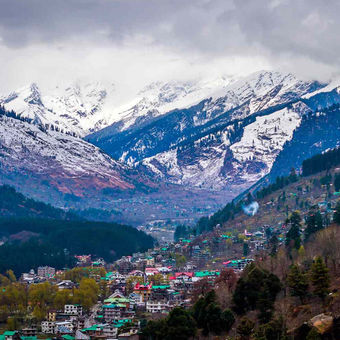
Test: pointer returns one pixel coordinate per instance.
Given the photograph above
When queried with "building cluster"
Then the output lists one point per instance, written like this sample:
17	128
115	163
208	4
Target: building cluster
138	287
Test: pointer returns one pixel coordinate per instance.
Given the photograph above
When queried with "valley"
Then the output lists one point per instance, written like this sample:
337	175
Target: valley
157	156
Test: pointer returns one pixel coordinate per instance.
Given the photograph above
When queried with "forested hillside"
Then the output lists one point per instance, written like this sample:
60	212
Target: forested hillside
54	242
44	235
13	203
291	289
294	188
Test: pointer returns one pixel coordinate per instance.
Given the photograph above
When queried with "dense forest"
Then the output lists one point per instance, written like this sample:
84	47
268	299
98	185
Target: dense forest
33	242
321	162
16	204
37	234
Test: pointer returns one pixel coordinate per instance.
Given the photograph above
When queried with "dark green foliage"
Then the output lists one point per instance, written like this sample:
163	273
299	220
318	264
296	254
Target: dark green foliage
325	180
336	216
313	335
293	239
245	249
245	328
155	330
274	242
228	319
181	231
210	317
321	162
21	257
337	182
314	222
206	224
50	237
280	183
320	278
178	325
297	282
273	330
16	204
256	290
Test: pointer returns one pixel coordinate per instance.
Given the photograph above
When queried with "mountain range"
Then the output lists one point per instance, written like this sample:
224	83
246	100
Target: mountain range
169	143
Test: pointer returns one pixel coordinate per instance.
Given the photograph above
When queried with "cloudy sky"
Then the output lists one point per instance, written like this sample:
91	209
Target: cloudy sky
132	42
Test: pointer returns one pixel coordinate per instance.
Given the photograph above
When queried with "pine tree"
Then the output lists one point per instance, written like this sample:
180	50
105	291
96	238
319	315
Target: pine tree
314	223
337	182
336	216
245	328
320	278
274	242
297	282
293	239
245	249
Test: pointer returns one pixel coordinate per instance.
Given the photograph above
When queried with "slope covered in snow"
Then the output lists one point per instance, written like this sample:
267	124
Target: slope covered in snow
62	162
85	108
66	171
228	139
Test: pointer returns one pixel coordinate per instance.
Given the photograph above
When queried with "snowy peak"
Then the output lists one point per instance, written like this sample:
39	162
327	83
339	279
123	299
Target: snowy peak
60	162
84	108
76	108
230	137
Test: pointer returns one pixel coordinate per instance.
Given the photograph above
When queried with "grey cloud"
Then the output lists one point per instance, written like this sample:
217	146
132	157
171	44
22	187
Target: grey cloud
305	27
278	30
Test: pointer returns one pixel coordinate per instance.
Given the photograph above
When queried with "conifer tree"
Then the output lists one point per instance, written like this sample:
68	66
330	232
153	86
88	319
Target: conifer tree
314	223
297	282
293	239
337	182
336	216
320	278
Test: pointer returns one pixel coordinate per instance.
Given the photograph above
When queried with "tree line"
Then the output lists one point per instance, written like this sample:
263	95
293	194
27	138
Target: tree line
321	162
54	242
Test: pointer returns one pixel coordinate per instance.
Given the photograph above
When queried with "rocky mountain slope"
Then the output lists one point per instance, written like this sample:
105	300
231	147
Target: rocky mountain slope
66	171
229	139
50	159
212	138
82	108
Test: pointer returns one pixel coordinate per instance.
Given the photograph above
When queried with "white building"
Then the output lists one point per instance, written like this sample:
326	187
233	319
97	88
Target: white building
47	327
157	306
73	309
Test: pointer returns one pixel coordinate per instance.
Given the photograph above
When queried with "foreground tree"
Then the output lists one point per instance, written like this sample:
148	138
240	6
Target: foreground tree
297	282
178	325
320	278
210	317
256	290
273	330
245	328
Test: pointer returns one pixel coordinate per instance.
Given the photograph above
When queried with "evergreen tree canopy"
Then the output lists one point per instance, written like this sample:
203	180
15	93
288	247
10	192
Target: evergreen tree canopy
178	325
256	290
209	315
320	278
336	216
314	222
293	239
297	282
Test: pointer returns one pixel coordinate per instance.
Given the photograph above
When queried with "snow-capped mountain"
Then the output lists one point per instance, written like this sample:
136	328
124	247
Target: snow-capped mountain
77	109
85	108
60	162
220	133
230	138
